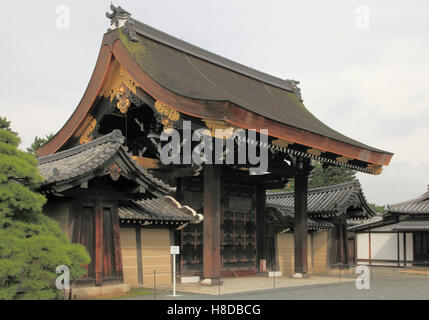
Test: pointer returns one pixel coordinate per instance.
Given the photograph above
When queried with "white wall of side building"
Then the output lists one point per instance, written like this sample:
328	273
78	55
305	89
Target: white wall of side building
384	246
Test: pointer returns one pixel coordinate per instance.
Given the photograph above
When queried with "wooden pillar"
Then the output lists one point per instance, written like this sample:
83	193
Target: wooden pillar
212	222
369	246
300	223
139	256
398	249
405	248
342	242
117	244
260	224
98	263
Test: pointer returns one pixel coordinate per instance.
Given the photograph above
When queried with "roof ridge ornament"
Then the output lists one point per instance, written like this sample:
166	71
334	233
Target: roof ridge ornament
118	17
294	85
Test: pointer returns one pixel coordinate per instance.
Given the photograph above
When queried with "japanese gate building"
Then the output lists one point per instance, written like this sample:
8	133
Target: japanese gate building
146	81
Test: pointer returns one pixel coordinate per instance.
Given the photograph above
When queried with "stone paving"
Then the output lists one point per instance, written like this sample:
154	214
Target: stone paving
244	284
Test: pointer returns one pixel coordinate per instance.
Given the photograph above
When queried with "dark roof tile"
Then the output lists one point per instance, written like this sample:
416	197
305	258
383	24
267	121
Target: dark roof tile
331	200
158	209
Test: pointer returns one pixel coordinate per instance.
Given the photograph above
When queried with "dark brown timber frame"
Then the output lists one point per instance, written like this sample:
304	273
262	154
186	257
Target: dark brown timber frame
260	224
300	224
212	221
88	229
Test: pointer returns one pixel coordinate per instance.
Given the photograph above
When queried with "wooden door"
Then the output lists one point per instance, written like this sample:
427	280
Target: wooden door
96	226
421	248
238	229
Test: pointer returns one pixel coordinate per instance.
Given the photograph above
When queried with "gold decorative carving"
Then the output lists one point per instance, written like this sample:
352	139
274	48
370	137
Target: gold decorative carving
343	159
168	115
281	143
314	152
119	85
219	129
86	136
376	169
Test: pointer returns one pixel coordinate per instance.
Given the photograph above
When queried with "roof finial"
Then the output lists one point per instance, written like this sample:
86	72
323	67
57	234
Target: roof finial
294	85
118	16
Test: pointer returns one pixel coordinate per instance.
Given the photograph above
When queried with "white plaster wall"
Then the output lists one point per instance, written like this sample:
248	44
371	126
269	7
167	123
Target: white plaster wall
384	246
362	243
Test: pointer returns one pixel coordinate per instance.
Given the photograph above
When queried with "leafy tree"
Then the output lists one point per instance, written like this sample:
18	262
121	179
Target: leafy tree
31	244
38	142
377	208
332	175
321	177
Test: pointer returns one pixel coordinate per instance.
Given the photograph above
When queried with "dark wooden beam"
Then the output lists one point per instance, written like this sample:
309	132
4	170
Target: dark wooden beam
244	177
184	172
212	221
274	185
260	224
300	223
282	169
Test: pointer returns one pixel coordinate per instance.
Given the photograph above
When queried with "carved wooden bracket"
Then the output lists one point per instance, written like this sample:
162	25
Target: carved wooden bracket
168	115
87	134
121	86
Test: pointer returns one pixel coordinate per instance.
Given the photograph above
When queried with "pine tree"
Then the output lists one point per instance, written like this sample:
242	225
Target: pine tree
321	177
38	142
31	244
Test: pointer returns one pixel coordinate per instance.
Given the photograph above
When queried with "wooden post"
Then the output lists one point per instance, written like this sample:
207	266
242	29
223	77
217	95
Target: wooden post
300	223
346	244
212	222
98	263
342	243
139	256
405	249
260	224
398	249
117	244
369	241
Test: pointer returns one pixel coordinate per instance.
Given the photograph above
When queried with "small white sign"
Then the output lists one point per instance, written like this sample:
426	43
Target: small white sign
174	250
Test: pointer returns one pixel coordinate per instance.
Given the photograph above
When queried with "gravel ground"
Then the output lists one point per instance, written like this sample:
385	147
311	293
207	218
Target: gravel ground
383	286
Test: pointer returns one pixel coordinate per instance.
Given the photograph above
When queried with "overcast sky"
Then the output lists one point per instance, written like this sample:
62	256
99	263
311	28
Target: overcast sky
363	65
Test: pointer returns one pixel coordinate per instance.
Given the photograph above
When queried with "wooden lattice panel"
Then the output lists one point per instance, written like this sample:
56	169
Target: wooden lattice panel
238	246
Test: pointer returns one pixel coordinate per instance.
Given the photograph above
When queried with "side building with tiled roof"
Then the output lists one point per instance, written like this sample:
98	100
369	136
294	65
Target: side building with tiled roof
330	210
400	238
119	211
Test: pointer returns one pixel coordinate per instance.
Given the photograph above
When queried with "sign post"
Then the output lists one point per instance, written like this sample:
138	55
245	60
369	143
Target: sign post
174	250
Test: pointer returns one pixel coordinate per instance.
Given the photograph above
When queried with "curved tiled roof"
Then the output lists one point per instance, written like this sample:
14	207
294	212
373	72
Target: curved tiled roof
204	85
281	217
195	73
91	159
419	205
331	200
158	209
